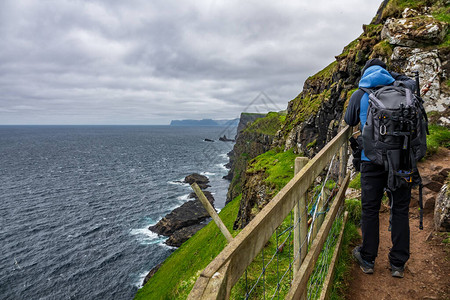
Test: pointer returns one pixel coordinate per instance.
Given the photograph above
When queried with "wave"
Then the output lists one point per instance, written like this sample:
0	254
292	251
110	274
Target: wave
224	155
222	166
147	237
183	197
207	173
140	280
166	246
178	182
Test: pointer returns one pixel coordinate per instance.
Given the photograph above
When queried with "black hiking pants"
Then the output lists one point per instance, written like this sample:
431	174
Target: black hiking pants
373	181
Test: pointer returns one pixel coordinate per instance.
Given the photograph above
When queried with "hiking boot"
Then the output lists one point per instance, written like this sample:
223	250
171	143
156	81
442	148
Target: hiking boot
397	271
365	266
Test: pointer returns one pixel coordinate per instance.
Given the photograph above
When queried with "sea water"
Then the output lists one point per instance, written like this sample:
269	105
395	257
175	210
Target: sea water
77	201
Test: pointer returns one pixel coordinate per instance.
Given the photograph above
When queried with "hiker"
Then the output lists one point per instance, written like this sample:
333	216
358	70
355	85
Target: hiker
374	179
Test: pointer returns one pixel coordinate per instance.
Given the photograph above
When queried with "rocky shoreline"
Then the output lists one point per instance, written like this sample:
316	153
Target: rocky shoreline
184	221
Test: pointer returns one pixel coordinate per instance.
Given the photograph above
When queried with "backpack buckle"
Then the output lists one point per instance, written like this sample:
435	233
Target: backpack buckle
383	129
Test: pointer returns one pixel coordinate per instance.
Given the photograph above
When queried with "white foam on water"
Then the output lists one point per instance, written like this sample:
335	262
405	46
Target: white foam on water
147	237
207	173
139	282
224	155
178	182
222	166
183	197
166	246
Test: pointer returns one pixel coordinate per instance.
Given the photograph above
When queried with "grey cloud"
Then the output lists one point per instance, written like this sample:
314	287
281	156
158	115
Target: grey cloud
147	62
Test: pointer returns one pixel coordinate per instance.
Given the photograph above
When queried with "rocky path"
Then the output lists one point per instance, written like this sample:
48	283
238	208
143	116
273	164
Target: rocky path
427	273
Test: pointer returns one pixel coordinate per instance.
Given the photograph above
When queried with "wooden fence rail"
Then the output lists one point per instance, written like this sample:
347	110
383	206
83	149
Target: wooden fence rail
218	278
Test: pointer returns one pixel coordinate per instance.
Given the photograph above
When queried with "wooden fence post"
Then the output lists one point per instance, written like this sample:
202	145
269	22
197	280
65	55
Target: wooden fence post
343	160
212	212
300	215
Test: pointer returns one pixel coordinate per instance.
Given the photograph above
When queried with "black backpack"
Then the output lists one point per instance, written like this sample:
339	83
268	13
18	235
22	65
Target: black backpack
395	135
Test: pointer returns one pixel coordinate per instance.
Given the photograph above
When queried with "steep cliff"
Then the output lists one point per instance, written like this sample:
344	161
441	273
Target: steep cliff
255	136
409	36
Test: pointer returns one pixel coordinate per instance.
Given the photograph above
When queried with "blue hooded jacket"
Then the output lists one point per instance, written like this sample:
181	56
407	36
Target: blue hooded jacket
372	77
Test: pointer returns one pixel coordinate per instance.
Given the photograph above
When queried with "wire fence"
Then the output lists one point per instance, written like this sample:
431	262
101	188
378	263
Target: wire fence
271	273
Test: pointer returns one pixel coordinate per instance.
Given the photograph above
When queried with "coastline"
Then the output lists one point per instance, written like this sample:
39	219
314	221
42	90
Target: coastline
217	174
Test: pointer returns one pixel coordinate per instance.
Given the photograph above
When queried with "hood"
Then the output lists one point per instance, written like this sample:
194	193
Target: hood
374	76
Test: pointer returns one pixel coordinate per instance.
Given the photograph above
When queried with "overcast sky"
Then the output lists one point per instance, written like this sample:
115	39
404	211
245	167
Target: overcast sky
151	61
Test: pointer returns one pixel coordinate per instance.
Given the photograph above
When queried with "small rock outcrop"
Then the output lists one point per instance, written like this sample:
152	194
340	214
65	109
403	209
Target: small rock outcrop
151	273
182	235
442	209
225	139
184	221
201	180
414	31
256	197
188	214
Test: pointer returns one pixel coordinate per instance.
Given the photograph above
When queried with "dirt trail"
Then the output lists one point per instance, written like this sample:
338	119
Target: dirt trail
427	273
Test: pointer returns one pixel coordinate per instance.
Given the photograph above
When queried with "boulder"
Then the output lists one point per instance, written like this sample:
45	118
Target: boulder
225	139
188	214
414	31
445	172
207	194
427	63
433	185
201	180
151	273
182	235
442	210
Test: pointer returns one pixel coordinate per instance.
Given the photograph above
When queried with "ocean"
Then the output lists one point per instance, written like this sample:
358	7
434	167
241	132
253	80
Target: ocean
77	201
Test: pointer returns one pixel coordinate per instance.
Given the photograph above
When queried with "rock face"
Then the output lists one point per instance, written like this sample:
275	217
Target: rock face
442	210
413	31
184	221
249	144
245	119
428	63
256	197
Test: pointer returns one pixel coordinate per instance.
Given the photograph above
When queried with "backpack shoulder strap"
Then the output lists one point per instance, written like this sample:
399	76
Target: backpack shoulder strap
366	90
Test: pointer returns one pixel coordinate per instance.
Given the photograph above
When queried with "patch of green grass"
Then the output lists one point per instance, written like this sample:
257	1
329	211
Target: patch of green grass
178	273
278	166
382	49
442	14
446	240
372	30
356	182
344	264
267	284
326	72
439	137
269	125
353	206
